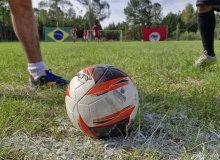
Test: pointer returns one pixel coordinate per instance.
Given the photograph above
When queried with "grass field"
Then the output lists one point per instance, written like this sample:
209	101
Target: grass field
178	117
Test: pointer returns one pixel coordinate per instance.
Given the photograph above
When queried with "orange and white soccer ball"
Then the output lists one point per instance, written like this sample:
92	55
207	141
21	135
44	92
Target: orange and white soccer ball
101	101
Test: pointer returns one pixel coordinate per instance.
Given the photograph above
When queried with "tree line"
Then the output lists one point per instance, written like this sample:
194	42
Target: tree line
139	14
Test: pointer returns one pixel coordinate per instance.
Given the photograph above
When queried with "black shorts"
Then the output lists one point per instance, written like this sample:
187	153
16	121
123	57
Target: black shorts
215	3
97	36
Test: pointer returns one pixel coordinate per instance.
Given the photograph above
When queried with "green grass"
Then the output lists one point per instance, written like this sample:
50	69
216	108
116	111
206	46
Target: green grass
178	105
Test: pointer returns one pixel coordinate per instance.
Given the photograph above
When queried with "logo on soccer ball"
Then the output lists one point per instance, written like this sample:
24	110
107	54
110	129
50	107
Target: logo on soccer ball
155	36
122	90
84	77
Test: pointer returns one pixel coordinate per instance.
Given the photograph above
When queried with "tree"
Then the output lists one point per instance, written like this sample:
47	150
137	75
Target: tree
189	16
54	6
97	10
138	16
138	12
156	14
132	12
145	13
217	29
172	20
5	20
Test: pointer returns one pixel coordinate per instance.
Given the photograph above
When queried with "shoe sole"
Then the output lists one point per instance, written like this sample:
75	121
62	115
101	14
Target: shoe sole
206	65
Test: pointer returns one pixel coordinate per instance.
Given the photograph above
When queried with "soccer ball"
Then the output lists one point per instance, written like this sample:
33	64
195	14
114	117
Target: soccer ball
101	101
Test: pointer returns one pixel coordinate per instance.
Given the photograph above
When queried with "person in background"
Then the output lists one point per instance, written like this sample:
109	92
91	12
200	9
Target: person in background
96	31
206	24
76	32
26	30
73	34
85	36
99	36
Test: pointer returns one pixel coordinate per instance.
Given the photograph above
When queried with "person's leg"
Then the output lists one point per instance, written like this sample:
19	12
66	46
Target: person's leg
206	25
25	27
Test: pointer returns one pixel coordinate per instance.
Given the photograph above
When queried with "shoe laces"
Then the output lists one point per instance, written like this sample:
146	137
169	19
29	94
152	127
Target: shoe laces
201	57
51	77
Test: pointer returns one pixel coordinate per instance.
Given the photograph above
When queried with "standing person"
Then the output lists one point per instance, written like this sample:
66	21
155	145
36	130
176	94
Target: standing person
85	36
96	30
206	24
99	36
76	32
73	34
25	28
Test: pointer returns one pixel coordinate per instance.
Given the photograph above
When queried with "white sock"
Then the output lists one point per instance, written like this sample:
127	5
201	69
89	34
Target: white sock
37	69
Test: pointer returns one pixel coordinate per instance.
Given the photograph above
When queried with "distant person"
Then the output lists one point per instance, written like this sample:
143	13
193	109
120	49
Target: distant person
26	30
93	32
76	32
85	36
96	31
73	34
206	24
99	36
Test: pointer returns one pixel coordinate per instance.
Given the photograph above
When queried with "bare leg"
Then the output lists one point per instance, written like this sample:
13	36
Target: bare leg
204	8
25	27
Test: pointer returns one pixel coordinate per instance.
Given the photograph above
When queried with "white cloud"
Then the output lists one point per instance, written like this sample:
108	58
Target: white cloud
117	8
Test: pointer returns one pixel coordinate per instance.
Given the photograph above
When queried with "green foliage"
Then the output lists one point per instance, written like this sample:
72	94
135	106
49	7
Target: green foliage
156	15
55	11
138	16
97	10
6	30
189	16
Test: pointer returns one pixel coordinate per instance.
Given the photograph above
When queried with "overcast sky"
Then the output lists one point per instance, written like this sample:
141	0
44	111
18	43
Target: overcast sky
117	8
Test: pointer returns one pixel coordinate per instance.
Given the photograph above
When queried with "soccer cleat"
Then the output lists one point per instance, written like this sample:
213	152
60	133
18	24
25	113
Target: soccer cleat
49	80
205	60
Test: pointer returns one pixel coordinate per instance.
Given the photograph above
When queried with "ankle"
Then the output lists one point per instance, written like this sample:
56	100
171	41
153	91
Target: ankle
37	69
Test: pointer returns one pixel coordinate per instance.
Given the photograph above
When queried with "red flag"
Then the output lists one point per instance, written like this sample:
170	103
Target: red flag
156	34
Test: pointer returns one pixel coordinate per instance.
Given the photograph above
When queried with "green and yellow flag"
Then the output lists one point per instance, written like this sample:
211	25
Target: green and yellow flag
57	34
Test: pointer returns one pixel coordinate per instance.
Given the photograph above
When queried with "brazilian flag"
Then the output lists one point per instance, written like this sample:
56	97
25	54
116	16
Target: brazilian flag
57	34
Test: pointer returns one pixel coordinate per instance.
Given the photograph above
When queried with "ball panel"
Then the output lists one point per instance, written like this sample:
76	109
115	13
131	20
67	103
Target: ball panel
102	108
84	112
98	72
85	129
111	73
112	125
80	85
114	118
110	130
116	72
123	96
68	91
70	109
105	87
88	99
107	76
